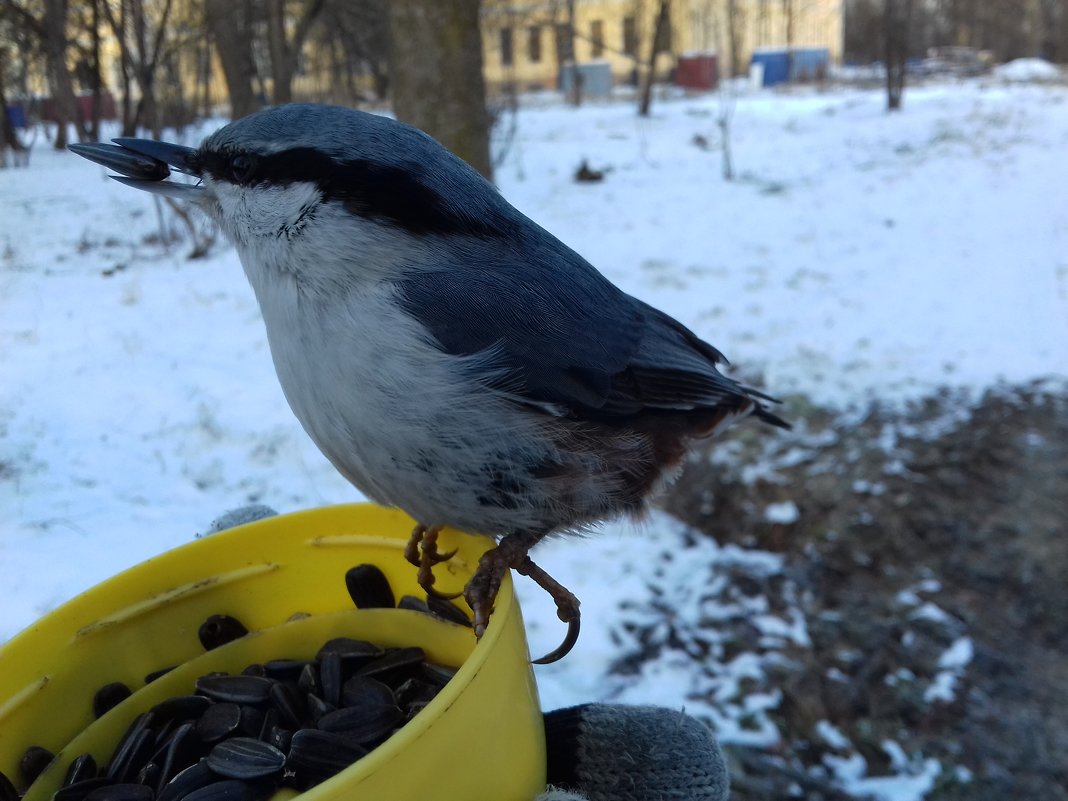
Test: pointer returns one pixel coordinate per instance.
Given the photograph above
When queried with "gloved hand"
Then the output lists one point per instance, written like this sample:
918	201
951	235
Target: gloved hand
601	752
604	752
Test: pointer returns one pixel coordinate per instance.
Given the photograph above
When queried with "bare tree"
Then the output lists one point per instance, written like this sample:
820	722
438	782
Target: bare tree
230	25
896	14
663	17
285	51
436	75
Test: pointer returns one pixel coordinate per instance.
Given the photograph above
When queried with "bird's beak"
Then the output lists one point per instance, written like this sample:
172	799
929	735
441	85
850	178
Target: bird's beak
144	164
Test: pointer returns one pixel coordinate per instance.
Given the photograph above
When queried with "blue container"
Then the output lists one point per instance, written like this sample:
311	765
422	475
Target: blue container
798	64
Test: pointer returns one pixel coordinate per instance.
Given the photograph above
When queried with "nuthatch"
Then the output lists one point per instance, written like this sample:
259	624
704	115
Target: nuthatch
449	356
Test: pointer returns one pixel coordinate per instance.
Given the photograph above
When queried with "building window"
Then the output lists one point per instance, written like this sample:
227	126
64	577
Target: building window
506	47
597	38
534	44
630	36
562	32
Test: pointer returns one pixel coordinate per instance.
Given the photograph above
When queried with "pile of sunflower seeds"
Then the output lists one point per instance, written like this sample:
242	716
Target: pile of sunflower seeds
284	723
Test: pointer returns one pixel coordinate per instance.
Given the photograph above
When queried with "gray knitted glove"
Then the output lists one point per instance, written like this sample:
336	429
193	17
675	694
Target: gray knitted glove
600	752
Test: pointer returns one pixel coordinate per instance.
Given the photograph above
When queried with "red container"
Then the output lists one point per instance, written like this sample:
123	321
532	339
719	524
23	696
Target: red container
697	71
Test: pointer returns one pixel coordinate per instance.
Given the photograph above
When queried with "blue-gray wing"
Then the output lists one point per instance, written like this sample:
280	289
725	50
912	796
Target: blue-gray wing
565	336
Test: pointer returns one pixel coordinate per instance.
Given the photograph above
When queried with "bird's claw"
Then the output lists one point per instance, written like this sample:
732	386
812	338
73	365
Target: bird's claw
567	609
422	551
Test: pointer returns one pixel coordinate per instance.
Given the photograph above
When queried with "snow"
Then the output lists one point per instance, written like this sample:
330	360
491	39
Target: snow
1027	69
859	255
782	512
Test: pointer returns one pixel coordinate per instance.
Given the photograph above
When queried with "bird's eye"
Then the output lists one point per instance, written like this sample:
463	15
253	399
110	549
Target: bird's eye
242	168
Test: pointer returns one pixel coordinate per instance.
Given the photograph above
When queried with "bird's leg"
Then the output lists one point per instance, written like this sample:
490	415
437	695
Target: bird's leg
422	551
567	608
481	590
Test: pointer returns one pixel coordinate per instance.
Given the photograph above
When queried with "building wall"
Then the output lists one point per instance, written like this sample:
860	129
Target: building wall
624	29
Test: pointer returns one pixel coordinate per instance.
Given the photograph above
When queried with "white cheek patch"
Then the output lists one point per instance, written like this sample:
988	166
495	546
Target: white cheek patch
247	213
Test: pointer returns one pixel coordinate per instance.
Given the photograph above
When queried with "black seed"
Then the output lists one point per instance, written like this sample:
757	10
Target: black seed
181	707
352	652
155	674
134	751
109	696
438	675
289	702
235	689
218	721
251	721
283	669
415	691
330	677
255	669
34	760
280	738
149	775
317	707
7	789
184	748
124	791
226	790
245	758
448	611
318	755
79	790
396	663
363	724
220	629
369	588
309	680
83	767
365	691
413	604
189	780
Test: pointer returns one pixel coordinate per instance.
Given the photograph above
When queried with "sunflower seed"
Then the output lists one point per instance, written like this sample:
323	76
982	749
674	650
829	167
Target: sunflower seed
81	768
396	663
369	588
188	781
220	629
415	691
181	707
226	790
365	691
447	611
155	674
330	677
79	790
255	669
7	789
245	758
34	760
289	702
309	680
438	675
135	750
317	707
352	652
108	697
413	604
363	724
318	755
218	721
252	718
235	689
149	775
124	791
184	748
283	669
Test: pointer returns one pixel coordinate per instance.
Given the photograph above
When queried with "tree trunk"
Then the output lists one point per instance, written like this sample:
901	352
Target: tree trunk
54	25
896	14
285	53
436	75
230	25
94	123
650	66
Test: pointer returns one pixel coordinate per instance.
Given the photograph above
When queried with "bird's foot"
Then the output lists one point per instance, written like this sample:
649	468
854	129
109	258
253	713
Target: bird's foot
567	609
422	551
481	591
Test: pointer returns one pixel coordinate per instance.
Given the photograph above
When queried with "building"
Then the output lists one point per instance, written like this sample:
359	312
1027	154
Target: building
525	44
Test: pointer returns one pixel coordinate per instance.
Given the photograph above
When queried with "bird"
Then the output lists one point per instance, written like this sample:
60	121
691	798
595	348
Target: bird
448	355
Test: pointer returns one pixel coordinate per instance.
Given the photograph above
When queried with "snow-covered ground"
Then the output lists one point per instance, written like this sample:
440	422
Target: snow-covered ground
857	255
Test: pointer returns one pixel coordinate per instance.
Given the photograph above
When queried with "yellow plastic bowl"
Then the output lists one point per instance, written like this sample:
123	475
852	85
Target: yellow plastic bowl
480	738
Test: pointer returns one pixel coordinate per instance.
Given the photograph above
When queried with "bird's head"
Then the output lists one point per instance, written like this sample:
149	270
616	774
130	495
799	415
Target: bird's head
306	174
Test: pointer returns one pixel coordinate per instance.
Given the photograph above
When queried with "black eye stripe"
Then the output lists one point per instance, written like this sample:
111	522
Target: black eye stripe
373	190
